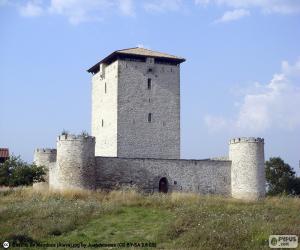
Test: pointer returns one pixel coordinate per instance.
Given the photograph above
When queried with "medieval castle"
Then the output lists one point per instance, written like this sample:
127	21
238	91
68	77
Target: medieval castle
136	137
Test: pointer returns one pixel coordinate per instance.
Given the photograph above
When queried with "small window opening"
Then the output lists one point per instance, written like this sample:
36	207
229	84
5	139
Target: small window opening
150	70
149	83
149	117
105	88
102	123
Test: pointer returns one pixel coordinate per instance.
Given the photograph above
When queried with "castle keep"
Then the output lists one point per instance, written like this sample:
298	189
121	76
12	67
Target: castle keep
136	137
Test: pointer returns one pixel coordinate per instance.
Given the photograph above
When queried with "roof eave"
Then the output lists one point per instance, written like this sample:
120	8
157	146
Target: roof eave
116	53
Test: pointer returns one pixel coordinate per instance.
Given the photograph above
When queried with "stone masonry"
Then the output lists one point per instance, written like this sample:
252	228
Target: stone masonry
136	137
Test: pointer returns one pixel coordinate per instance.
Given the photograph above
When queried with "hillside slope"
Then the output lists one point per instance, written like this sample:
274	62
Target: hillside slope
175	221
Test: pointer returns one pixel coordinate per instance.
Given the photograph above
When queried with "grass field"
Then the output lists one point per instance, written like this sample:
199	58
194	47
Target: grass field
173	221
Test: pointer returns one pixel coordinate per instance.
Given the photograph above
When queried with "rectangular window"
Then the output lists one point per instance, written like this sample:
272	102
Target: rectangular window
149	83
102	123
149	117
105	88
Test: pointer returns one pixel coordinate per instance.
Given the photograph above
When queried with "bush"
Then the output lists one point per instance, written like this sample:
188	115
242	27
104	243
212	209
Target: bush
15	172
281	178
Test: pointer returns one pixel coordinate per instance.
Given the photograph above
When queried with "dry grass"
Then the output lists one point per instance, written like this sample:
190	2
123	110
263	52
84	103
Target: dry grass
174	220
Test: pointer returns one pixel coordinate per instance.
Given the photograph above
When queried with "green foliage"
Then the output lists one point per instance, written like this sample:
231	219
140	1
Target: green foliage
64	132
281	178
15	172
84	133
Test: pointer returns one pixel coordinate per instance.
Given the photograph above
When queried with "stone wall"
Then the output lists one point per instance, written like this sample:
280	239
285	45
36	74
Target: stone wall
248	171
104	109
137	137
75	166
199	176
45	157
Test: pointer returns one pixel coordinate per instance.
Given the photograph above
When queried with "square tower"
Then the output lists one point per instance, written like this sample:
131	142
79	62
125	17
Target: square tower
136	104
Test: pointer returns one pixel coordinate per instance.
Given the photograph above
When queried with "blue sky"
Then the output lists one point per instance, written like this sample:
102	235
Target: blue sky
241	77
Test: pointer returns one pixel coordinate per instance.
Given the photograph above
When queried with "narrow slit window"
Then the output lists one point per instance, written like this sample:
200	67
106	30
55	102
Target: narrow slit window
105	88
149	83
102	123
149	117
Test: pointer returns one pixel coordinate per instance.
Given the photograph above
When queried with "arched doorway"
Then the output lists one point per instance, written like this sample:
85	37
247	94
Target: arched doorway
163	185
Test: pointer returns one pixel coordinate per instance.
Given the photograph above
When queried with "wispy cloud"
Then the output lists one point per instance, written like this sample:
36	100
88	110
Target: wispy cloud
127	7
233	15
163	5
76	11
266	6
31	9
271	106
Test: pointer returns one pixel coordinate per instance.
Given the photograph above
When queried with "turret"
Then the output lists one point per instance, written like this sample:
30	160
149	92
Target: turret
75	166
45	157
247	170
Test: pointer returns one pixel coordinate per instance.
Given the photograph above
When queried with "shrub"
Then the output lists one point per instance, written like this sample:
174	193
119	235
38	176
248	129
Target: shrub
15	172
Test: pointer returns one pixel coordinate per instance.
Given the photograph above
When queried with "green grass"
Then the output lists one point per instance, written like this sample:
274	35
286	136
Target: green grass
175	221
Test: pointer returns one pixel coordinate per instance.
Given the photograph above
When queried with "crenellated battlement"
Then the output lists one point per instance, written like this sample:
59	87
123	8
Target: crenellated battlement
72	137
246	139
75	159
138	137
247	169
46	150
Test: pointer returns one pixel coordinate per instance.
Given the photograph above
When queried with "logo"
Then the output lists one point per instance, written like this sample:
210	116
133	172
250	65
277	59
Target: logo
283	241
5	244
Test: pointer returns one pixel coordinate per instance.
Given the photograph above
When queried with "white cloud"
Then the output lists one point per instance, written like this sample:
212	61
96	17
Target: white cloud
267	6
163	5
127	7
233	15
271	106
31	9
215	123
76	11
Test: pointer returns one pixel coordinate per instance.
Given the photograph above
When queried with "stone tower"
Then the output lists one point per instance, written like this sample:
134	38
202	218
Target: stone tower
136	104
45	157
247	169
75	166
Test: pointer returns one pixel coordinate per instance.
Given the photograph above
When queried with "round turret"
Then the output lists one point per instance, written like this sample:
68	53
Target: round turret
247	169
75	167
45	157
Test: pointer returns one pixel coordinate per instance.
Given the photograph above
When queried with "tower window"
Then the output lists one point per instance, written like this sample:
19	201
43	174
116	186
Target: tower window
105	88
149	117
102	123
149	83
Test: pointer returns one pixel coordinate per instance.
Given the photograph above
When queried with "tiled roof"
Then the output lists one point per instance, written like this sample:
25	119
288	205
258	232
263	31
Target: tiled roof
4	152
147	52
137	52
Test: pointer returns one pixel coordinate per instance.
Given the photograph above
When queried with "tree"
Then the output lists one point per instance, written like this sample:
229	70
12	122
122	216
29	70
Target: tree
15	172
281	178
